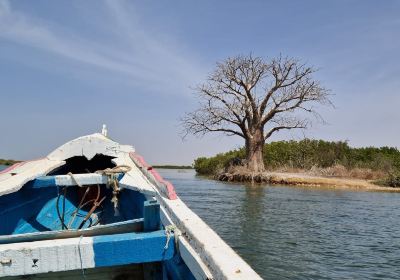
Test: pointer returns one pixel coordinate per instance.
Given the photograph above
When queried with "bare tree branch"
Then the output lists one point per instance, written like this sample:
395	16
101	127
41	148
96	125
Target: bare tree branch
253	98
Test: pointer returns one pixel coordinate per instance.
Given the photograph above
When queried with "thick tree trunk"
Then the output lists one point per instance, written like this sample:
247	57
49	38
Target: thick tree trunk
255	151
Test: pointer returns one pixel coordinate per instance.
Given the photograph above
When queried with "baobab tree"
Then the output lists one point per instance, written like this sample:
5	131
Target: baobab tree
253	98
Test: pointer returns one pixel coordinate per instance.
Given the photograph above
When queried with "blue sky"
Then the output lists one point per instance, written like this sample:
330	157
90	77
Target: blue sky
67	67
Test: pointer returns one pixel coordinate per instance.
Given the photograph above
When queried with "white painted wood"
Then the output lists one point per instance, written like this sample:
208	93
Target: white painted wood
80	179
134	179
46	256
13	180
222	261
88	146
189	256
193	261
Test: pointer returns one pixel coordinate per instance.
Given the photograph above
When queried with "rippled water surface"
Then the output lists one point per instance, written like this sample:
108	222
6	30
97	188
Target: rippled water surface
299	233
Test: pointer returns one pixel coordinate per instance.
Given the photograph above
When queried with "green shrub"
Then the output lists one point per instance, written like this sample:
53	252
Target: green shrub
212	165
307	153
392	180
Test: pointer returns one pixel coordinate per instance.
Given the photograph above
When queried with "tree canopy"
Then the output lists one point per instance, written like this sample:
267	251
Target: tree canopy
253	98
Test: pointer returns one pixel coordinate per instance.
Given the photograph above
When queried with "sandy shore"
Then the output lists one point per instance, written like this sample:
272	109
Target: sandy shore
302	179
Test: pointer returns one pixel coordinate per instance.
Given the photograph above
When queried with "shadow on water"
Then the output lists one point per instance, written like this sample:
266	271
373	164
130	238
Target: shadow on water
252	205
253	202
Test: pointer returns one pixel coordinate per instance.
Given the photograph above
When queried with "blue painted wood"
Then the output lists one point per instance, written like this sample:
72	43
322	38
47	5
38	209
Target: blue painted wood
129	248
21	207
151	214
43	182
34	210
131	204
176	269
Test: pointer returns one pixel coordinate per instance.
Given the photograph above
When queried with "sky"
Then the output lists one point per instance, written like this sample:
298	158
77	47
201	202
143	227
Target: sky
67	67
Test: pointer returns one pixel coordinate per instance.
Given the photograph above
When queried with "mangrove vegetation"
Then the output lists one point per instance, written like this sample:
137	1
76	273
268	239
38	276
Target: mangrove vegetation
322	157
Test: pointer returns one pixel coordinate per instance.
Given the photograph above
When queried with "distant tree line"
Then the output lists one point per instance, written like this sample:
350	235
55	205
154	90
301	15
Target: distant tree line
173	166
7	161
306	154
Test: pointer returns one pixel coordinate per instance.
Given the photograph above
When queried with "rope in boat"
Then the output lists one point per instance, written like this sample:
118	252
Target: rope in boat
81	204
73	178
169	231
63	225
112	181
114	170
80	257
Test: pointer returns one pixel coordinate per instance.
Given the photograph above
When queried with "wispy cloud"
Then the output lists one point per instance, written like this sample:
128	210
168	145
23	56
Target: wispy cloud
137	55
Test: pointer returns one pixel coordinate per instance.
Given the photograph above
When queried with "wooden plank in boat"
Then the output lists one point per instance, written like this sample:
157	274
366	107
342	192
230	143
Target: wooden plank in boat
68	180
115	228
121	272
85	252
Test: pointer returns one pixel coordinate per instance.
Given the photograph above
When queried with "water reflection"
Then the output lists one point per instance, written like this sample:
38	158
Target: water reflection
300	233
252	205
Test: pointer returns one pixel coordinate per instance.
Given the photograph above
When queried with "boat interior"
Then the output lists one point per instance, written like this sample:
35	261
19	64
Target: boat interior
46	210
49	208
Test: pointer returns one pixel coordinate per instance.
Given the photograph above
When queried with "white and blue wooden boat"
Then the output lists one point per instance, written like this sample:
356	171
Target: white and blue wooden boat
93	209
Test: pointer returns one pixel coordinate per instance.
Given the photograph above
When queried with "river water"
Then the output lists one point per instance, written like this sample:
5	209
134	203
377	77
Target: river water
300	233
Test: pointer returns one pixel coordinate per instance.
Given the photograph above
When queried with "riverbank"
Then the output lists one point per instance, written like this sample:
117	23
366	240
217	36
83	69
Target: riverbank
312	163
303	179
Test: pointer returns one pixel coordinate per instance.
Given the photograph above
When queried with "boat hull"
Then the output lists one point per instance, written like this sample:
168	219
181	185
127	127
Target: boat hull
133	225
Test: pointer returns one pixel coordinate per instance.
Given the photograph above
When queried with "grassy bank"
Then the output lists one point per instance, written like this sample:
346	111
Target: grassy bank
303	179
318	158
8	161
